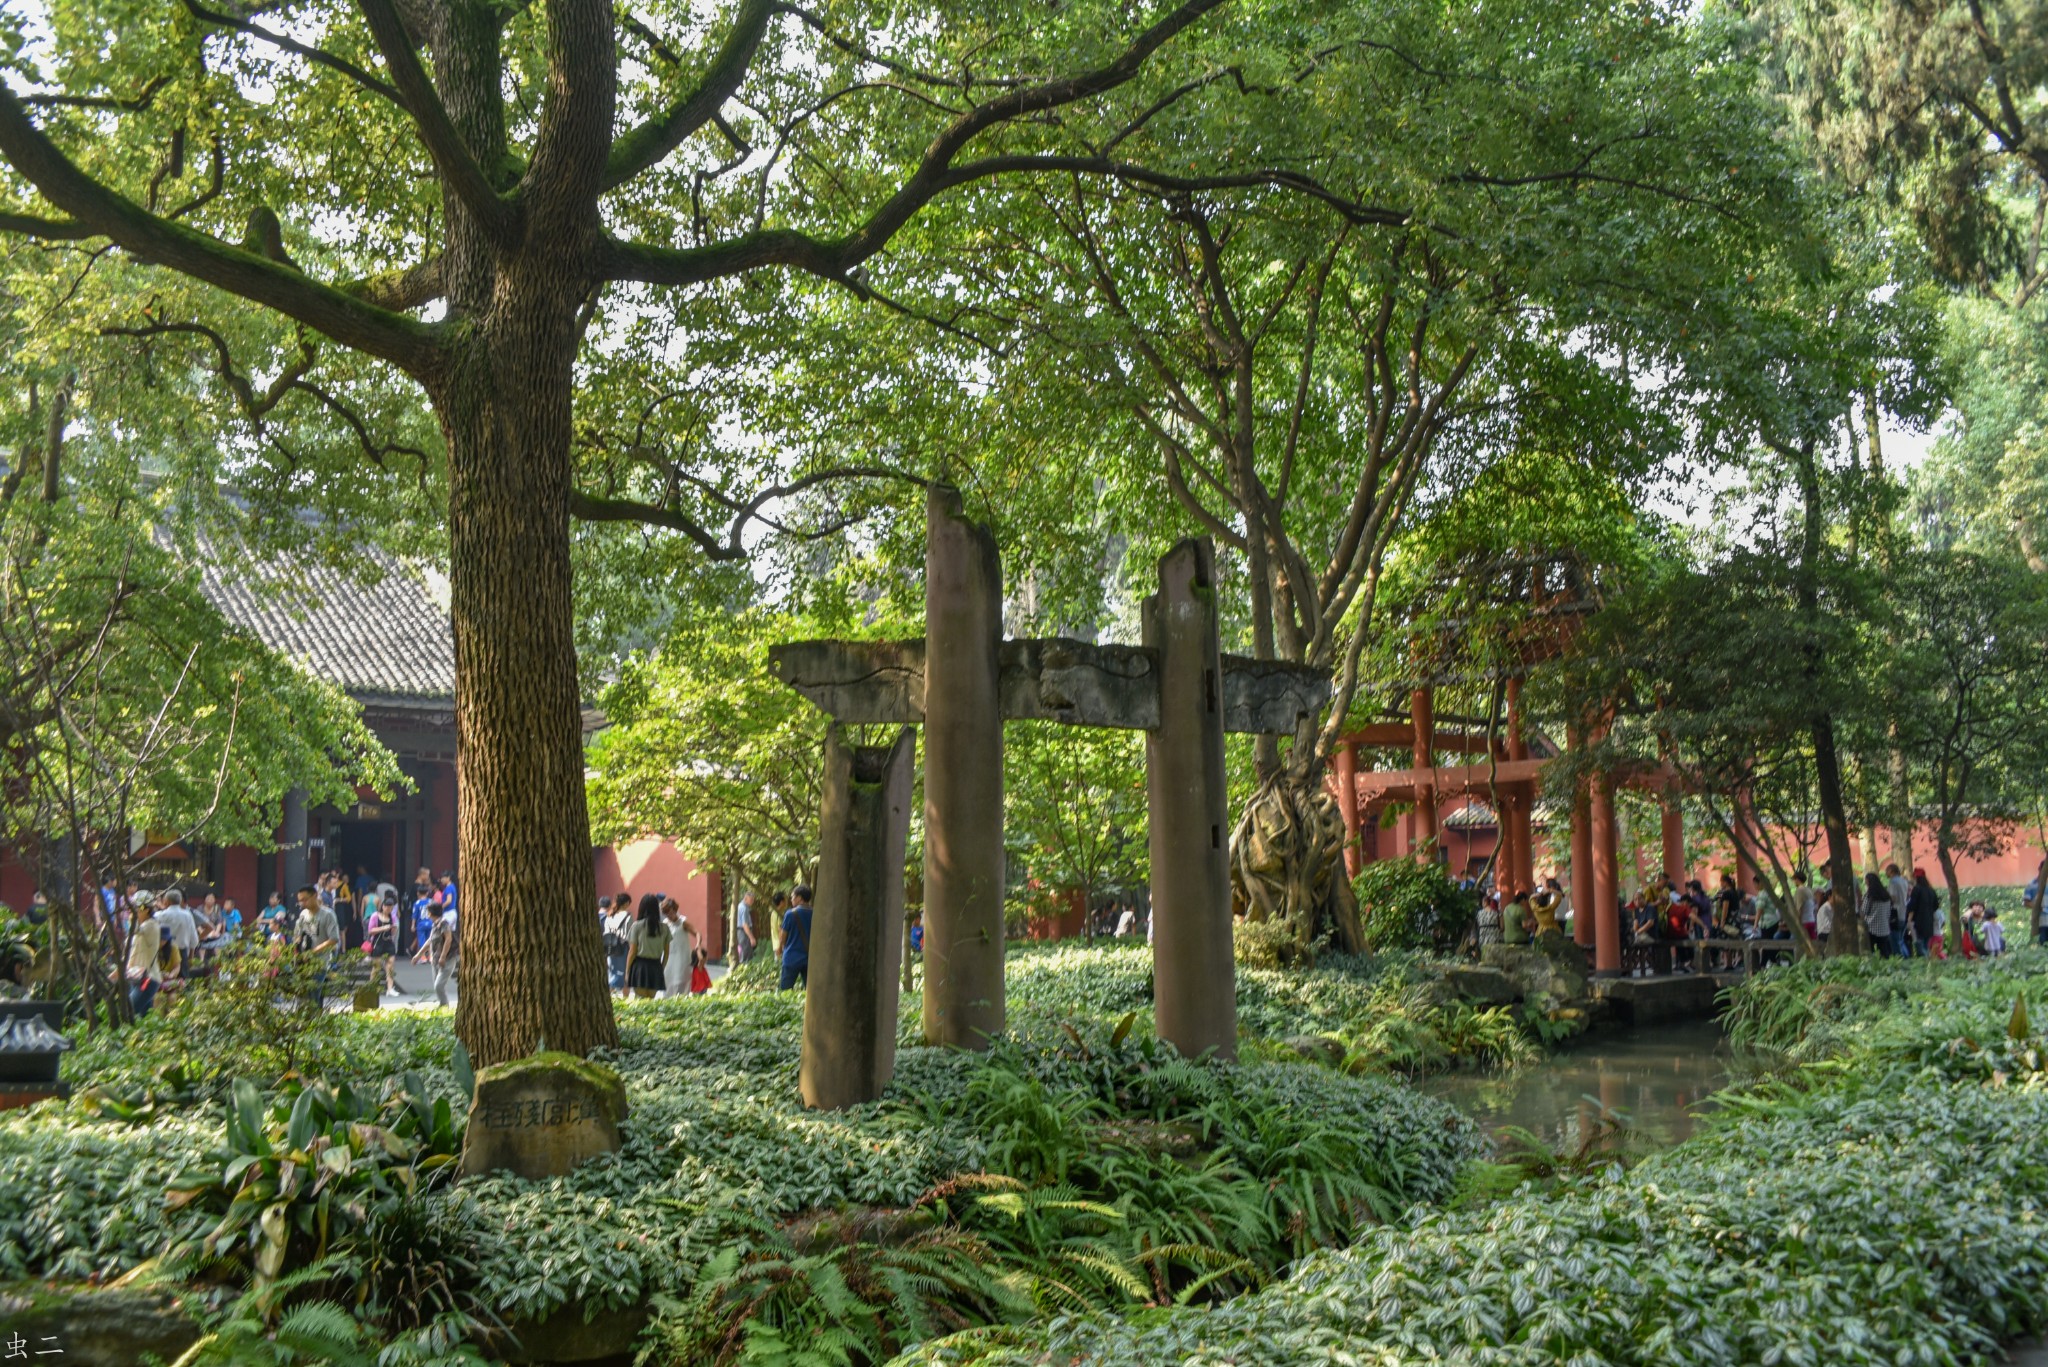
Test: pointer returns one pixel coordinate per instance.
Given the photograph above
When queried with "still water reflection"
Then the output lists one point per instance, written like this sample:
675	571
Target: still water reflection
1646	1078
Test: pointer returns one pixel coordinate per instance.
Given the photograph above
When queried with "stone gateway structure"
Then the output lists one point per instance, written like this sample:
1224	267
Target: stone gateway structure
961	682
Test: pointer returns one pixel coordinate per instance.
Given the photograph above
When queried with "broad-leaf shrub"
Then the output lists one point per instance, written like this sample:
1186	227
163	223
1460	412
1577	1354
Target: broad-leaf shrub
1406	904
310	1171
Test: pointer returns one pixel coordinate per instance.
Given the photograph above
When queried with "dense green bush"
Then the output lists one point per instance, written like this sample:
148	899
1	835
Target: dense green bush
313	1169
1406	904
1813	1007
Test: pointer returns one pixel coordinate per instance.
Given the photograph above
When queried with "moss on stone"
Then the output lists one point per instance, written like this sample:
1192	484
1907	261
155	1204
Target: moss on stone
604	1080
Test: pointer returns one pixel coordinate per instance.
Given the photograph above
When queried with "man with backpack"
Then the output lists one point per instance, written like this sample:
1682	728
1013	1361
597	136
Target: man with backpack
618	931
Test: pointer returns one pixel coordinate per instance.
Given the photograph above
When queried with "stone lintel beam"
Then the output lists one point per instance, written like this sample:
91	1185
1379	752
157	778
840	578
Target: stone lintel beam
1044	679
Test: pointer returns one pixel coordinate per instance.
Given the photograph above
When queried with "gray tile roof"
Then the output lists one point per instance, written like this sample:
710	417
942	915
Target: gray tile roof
385	635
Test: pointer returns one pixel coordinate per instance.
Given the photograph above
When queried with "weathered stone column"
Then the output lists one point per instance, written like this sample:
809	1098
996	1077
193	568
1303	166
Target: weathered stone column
963	778
1194	971
851	994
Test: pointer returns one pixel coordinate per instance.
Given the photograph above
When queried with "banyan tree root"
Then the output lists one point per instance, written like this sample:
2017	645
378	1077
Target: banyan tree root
1287	863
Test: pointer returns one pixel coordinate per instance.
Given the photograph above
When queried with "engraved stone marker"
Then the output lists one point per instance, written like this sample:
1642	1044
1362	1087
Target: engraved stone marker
542	1116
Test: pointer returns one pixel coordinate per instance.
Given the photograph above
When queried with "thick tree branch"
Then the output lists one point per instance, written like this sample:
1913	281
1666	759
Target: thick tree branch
319	56
647	145
593	508
49	229
832	258
132	106
458	169
403	290
347	319
935	174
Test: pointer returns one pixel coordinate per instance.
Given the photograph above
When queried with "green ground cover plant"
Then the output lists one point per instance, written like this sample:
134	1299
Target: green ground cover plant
1883	1202
1078	1166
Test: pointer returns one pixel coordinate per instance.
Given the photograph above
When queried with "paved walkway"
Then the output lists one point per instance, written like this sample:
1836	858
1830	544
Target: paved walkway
416	986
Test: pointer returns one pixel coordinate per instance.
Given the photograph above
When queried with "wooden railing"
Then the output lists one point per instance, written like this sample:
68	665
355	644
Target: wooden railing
1753	952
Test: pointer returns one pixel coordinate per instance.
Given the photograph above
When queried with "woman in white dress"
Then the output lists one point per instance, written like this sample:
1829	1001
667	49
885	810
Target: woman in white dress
682	940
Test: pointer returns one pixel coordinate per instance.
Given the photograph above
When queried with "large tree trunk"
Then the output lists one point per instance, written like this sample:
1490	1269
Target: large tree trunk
533	968
1849	935
533	957
1287	859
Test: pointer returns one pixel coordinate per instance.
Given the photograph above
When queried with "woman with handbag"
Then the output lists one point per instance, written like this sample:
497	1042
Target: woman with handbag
380	939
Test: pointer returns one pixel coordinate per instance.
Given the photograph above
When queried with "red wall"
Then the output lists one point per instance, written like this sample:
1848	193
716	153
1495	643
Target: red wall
2012	866
17	883
657	866
438	840
239	881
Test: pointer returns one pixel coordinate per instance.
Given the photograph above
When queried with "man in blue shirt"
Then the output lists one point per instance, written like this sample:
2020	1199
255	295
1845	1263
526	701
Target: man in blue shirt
796	940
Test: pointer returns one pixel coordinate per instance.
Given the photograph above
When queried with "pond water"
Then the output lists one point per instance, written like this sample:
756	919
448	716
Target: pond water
1646	1078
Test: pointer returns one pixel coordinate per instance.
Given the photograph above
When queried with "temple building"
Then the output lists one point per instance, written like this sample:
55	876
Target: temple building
384	639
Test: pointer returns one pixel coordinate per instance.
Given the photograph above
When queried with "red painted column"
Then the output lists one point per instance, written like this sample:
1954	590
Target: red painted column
1522	807
1582	865
1505	860
1347	804
1422	709
1673	822
1606	905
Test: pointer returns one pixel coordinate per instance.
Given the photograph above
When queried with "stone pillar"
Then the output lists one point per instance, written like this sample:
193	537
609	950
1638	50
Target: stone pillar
1194	969
851	992
1347	803
292	845
1582	865
1606	902
1422	710
963	778
1672	819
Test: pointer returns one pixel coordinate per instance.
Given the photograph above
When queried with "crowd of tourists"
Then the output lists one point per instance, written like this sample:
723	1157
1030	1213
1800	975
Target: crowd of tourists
652	949
176	933
1903	915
